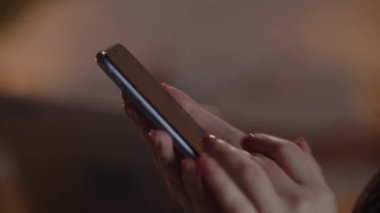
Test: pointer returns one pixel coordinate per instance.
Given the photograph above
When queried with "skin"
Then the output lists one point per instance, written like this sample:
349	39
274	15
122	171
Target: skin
238	172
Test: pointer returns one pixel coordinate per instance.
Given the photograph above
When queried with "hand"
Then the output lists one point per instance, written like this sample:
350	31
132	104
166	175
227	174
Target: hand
185	180
269	175
187	190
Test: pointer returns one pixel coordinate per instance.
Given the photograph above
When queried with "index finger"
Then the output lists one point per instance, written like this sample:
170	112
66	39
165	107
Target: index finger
208	121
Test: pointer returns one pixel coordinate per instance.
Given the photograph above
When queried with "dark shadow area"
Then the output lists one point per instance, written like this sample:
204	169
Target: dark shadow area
73	160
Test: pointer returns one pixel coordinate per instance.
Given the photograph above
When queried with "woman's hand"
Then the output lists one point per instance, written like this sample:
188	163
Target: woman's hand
192	184
269	175
187	190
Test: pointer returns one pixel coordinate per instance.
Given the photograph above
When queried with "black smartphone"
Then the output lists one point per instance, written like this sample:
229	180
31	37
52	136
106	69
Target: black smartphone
151	99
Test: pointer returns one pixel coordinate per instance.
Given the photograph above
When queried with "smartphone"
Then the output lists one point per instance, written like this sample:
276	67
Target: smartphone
151	99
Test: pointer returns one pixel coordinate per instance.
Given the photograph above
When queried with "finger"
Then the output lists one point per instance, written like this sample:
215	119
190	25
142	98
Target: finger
304	145
247	174
163	147
200	198
166	160
139	119
281	181
285	153
226	192
209	122
164	156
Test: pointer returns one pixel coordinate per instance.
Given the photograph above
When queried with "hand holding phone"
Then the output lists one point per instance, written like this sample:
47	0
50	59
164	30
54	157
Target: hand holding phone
151	100
186	188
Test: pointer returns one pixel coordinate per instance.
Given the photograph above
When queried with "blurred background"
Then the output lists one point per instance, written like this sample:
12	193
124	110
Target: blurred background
300	68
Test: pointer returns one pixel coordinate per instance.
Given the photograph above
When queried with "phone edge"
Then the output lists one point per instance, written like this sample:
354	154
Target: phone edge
107	66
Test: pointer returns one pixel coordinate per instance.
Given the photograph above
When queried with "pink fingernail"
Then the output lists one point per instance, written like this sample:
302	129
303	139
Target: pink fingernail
151	133
209	141
301	139
153	141
250	138
249	143
167	86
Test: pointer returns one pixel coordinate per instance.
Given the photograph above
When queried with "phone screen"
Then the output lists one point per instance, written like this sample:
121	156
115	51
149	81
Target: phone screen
151	99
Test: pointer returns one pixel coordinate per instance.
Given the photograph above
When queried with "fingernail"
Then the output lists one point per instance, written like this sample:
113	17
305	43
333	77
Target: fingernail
153	141
249	139
151	133
301	139
209	141
253	136
298	141
167	86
